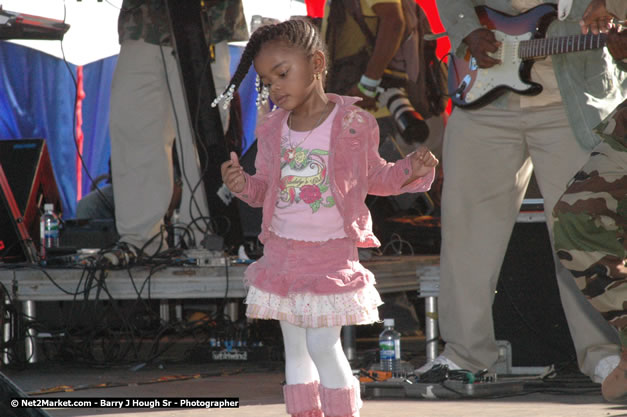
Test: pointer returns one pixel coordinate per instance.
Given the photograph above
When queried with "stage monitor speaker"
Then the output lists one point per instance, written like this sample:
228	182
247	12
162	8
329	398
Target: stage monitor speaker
28	169
527	309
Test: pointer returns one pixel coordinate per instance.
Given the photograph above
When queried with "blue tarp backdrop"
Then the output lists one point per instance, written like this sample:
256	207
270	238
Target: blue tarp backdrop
37	101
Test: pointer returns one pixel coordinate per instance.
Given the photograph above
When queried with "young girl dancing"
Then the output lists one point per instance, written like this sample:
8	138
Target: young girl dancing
317	159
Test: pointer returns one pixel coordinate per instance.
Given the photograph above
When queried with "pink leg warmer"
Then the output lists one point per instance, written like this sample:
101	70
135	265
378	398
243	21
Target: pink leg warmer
302	400
341	402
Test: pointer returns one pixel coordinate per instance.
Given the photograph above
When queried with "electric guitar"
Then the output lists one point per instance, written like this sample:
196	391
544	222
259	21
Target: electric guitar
522	41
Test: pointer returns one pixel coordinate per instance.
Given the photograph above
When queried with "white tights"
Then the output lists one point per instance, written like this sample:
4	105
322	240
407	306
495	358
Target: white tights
315	354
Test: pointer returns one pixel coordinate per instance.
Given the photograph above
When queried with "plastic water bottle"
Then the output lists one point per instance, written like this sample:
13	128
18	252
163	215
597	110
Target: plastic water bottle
48	229
389	347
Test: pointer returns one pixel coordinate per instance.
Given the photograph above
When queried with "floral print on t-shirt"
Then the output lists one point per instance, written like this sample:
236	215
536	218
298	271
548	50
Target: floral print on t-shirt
304	178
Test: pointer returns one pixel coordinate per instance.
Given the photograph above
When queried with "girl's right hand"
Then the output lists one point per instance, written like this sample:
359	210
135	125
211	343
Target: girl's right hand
233	174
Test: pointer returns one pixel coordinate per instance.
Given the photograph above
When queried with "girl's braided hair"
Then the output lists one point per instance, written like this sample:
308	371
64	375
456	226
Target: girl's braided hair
298	33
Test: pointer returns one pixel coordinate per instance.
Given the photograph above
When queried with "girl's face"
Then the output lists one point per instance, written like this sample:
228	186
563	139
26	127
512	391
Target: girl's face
287	72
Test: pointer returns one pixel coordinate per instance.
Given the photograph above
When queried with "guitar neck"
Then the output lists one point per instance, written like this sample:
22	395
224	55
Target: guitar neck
536	48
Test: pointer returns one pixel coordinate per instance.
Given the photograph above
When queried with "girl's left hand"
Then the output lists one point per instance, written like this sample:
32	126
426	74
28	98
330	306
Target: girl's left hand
422	162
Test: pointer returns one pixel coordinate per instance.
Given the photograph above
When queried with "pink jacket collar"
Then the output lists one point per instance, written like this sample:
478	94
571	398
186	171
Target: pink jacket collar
276	118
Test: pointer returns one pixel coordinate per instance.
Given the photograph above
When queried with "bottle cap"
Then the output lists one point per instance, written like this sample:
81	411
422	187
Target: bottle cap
388	322
48	207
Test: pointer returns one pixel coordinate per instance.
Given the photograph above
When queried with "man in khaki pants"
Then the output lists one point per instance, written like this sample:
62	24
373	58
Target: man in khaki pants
148	110
489	154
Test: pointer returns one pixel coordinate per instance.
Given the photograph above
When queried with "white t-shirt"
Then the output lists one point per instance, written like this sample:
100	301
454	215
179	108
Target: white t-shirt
524	5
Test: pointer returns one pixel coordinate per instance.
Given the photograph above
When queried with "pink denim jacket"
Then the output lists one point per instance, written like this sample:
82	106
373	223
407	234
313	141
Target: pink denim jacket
355	167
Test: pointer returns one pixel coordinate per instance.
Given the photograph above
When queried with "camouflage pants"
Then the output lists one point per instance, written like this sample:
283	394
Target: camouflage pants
591	224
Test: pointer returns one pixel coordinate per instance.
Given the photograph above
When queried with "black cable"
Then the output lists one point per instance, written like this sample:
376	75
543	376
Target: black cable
179	143
186	232
134	332
195	129
137	291
63	290
161	236
78	152
107	349
100	344
74	298
226	289
447	55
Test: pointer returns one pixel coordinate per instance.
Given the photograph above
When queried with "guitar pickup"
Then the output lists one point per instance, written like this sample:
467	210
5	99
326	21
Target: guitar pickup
499	54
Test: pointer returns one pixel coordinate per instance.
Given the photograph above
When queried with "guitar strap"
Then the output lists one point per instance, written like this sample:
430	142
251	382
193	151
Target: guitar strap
354	9
406	60
409	10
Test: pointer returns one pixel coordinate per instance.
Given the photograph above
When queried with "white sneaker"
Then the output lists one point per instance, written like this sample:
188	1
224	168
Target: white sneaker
605	367
440	360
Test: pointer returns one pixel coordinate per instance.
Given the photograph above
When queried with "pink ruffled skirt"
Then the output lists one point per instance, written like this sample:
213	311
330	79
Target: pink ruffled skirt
311	284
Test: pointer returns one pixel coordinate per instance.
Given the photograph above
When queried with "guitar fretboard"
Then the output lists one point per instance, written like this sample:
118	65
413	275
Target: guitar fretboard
560	45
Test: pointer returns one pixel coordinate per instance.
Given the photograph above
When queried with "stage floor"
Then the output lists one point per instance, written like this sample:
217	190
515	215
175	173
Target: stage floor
259	391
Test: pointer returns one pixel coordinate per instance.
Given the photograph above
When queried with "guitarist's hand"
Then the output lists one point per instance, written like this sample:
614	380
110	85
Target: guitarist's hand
480	42
617	44
596	18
